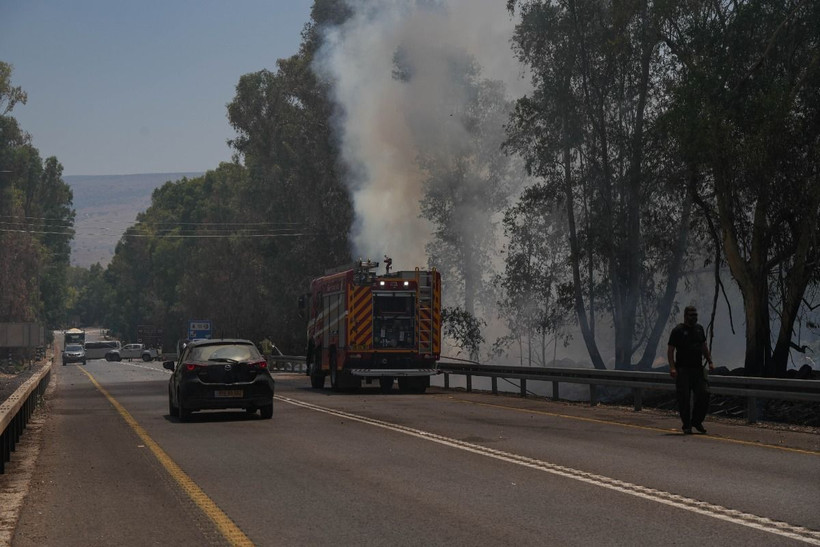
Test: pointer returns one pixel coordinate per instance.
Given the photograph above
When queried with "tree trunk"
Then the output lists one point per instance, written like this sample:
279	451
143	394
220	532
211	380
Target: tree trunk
668	298
575	258
797	279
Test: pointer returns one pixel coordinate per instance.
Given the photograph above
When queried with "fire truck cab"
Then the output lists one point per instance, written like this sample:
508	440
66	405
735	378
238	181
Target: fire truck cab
367	326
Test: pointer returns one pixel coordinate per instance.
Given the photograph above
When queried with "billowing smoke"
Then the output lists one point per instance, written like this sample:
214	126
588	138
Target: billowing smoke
387	120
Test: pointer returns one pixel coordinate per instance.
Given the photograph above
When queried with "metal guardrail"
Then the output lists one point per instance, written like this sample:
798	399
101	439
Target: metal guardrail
751	388
287	363
742	386
16	412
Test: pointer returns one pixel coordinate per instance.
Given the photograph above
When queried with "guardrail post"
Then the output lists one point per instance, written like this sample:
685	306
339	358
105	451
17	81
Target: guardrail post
5	451
495	385
637	396
593	395
751	410
555	391
524	387
446	381
469	383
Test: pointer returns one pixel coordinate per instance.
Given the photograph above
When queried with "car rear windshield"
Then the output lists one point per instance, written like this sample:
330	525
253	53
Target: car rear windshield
225	352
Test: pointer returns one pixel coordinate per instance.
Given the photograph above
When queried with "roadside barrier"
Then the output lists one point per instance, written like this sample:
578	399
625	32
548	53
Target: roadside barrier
16	412
752	388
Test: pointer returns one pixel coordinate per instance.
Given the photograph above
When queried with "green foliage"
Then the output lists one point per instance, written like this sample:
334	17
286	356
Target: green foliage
240	244
36	222
746	110
533	305
9	95
588	131
464	329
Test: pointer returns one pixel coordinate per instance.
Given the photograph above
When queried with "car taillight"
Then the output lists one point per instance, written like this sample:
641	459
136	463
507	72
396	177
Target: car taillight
190	367
259	364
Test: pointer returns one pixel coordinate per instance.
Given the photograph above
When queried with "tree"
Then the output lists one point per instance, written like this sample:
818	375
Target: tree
283	121
749	78
535	277
240	244
468	182
36	222
588	132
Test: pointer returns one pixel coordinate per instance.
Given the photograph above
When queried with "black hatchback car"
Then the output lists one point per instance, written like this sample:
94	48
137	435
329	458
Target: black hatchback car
219	374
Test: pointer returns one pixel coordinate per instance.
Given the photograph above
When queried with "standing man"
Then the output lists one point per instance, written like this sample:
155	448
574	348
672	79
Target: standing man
686	350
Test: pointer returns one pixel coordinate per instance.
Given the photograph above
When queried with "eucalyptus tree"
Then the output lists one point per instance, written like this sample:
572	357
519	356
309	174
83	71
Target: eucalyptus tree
588	132
36	221
747	110
468	180
535	279
240	244
284	126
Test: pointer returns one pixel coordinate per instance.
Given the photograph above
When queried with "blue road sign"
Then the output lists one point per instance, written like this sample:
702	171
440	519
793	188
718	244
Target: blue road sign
199	328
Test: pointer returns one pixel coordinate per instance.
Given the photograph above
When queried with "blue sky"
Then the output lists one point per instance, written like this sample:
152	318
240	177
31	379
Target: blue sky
118	87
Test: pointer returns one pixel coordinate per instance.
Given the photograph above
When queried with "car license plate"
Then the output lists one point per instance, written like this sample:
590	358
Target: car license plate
227	393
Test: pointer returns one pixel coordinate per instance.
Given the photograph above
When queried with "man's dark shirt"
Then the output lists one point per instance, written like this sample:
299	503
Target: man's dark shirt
688	341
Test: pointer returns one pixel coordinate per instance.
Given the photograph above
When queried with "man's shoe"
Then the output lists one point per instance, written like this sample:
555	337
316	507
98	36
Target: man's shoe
700	428
687	430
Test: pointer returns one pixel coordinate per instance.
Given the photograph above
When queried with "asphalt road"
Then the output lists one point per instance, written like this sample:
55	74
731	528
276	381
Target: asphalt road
445	468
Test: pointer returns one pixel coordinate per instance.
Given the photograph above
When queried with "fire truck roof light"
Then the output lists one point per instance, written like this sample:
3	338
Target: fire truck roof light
406	283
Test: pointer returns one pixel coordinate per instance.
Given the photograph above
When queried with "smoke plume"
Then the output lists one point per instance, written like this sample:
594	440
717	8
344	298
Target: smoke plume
386	120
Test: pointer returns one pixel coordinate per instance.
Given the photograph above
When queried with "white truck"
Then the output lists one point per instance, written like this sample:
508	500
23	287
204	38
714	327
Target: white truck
133	351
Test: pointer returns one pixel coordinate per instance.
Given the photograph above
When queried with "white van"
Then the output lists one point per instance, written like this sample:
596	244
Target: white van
98	348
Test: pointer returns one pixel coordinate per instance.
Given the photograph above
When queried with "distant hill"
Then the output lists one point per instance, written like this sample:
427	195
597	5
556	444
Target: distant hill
106	206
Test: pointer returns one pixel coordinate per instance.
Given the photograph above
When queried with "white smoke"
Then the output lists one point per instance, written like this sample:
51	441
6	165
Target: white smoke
386	122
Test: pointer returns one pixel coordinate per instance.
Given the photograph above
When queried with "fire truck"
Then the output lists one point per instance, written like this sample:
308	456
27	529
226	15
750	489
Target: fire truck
364	326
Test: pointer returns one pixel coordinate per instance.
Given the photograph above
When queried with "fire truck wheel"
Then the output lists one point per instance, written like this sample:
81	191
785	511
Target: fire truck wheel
385	384
317	381
334	377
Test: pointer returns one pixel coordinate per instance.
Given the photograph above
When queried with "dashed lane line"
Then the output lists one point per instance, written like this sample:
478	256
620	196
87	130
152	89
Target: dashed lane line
764	524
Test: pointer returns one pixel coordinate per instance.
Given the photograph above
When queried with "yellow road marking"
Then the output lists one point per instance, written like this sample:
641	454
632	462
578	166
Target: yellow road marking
633	426
229	530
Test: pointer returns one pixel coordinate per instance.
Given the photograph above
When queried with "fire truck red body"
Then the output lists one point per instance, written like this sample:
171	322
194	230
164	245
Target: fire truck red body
364	326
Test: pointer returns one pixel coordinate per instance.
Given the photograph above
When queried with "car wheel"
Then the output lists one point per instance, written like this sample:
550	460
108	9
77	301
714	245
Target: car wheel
266	411
317	381
172	410
146	357
84	363
182	413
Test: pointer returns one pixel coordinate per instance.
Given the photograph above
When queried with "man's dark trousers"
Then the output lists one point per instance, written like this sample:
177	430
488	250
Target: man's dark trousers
692	380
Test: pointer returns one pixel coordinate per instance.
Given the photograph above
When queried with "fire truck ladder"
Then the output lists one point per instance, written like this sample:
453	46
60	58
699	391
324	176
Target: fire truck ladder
424	282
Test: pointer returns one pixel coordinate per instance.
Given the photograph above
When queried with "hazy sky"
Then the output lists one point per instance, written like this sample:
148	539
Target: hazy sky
117	87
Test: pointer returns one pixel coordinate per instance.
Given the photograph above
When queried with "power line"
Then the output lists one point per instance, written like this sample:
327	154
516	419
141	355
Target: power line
167	235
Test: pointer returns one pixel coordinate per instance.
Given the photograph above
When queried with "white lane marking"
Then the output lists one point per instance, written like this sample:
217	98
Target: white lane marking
780	528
